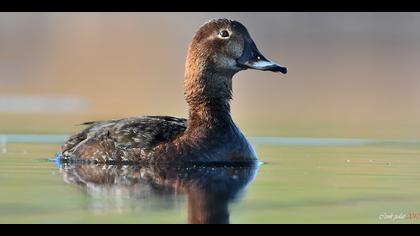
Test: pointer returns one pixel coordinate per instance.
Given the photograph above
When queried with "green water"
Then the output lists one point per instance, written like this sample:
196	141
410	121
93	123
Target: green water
317	181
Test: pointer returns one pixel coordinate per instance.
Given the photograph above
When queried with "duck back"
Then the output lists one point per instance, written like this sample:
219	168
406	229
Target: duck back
123	140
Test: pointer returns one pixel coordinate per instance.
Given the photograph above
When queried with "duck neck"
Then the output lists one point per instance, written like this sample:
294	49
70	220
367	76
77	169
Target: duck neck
208	94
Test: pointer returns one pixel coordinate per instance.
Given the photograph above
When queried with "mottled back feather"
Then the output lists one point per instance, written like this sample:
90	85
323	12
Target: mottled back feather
125	137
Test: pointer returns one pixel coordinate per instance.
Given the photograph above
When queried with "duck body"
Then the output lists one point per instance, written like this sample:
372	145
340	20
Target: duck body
219	49
157	139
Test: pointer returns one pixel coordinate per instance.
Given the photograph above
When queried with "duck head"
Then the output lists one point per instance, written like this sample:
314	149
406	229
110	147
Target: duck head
226	46
219	49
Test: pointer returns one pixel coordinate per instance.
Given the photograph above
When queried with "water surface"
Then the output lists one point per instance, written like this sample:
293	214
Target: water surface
312	180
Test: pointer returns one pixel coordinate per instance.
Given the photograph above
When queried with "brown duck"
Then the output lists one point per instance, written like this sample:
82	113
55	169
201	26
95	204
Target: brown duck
219	49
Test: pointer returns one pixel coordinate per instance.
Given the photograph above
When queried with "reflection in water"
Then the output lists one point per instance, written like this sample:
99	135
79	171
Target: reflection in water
208	190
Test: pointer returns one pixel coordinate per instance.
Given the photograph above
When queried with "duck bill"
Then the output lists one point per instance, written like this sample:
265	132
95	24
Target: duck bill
252	58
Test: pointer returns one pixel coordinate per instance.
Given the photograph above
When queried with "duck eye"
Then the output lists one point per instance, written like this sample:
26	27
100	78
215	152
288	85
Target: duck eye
224	34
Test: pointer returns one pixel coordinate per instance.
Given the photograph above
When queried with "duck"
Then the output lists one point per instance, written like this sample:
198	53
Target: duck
218	51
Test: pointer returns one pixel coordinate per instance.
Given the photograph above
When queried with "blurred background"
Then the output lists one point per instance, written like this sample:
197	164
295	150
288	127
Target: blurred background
350	74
